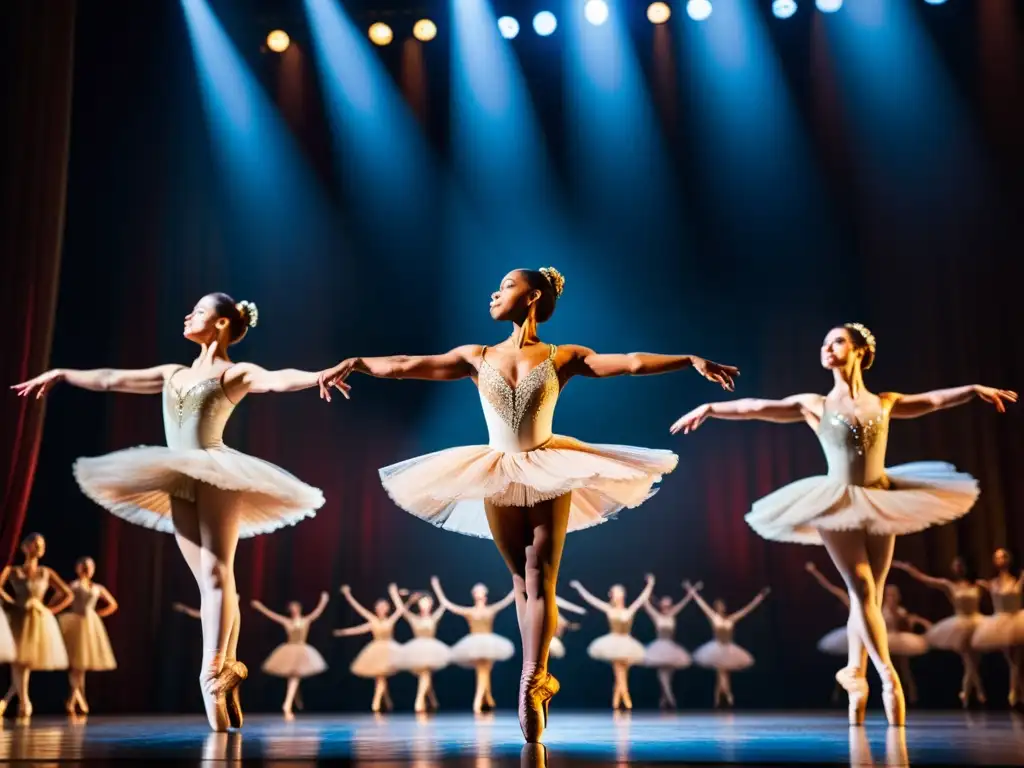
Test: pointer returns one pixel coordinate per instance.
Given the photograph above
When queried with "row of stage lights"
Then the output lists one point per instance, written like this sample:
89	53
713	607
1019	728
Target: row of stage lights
545	22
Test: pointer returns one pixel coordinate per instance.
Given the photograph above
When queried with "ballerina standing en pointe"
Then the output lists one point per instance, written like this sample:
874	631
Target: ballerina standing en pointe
619	648
956	632
557	649
665	654
528	487
721	653
860	506
481	648
197	488
37	636
1004	629
85	637
424	654
379	659
294	659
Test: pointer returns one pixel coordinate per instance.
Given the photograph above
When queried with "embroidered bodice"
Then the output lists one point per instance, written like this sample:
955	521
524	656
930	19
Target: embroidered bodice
1006	599
29	591
298	630
481	621
196	416
966	599
620	620
85	598
519	418
422	626
664	626
855	450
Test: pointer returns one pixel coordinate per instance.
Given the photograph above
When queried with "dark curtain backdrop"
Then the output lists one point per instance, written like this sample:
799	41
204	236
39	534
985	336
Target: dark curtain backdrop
150	228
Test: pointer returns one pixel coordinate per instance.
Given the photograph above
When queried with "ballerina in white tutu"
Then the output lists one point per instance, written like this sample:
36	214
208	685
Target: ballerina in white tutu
1004	629
665	654
424	654
956	632
196	487
37	636
528	487
721	653
904	643
860	506
481	648
379	659
618	648
294	659
85	637
563	625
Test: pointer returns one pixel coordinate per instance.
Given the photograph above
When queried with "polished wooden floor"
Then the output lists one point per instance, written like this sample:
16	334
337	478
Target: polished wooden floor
585	739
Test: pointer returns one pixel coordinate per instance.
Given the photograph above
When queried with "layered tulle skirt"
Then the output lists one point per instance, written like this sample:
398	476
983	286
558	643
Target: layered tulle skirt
378	659
917	496
835	643
86	640
37	637
664	653
617	648
727	657
557	648
448	488
137	484
424	654
907	644
998	631
482	646
953	633
294	660
8	649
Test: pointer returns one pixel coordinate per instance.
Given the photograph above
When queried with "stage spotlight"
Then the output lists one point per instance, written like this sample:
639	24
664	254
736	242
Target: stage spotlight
828	6
658	13
544	23
424	30
278	41
508	27
596	12
698	10
935	2
783	9
381	34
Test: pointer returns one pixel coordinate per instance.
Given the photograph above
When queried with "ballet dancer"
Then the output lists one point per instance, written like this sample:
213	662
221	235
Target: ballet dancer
294	659
619	648
1004	629
721	653
205	493
85	637
424	654
860	506
903	641
481	648
37	636
557	649
665	654
379	659
528	487
956	632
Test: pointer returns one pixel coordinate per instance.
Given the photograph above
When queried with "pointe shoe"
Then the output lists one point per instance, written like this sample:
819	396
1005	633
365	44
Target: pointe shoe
532	694
24	710
551	687
894	702
213	689
856	688
288	714
69	706
237	672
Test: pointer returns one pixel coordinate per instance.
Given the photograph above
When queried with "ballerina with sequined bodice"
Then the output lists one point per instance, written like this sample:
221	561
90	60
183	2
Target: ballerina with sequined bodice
424	654
294	659
664	654
1003	631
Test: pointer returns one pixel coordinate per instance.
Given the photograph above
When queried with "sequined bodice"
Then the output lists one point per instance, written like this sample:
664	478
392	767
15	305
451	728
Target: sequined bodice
665	626
422	626
298	630
29	589
722	629
85	598
481	622
1006	600
195	417
966	600
855	451
620	621
382	630
519	418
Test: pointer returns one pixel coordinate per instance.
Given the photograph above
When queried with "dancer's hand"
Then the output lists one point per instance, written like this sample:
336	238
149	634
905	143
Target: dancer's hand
335	377
688	586
346	589
650	578
324	597
990	395
766	591
575	585
688	423
812	568
716	372
41	384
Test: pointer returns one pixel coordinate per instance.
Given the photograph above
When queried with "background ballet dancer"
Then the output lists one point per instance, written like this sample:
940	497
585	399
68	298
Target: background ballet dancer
294	659
1004	629
481	648
955	632
424	654
205	493
721	653
379	659
859	508
836	642
904	643
85	637
557	649
37	637
665	654
528	487
619	648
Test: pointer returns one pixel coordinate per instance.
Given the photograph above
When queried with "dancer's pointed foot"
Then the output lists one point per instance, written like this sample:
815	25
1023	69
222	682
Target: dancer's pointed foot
893	700
532	694
213	686
237	672
857	690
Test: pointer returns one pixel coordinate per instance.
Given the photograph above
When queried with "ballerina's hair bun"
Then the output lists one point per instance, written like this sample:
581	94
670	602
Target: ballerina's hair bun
863	339
556	278
249	313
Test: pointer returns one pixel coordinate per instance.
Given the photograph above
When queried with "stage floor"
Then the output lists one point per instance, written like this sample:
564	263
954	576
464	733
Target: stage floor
580	739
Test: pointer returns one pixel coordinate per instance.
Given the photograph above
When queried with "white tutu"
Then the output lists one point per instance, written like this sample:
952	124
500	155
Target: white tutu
918	496
86	640
378	659
424	653
998	631
137	484
664	653
37	637
615	647
835	643
557	648
482	646
294	660
953	633
907	644
728	657
8	650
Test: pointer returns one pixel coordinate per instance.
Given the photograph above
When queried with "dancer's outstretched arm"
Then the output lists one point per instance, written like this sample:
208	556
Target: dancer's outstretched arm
643	597
187	610
277	617
675	609
828	586
400	608
565	605
346	592
458	363
317	612
791	410
932	581
458	610
584	361
111	604
601	605
63	596
248	378
140	381
913	406
742	612
360	629
706	609
504	603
